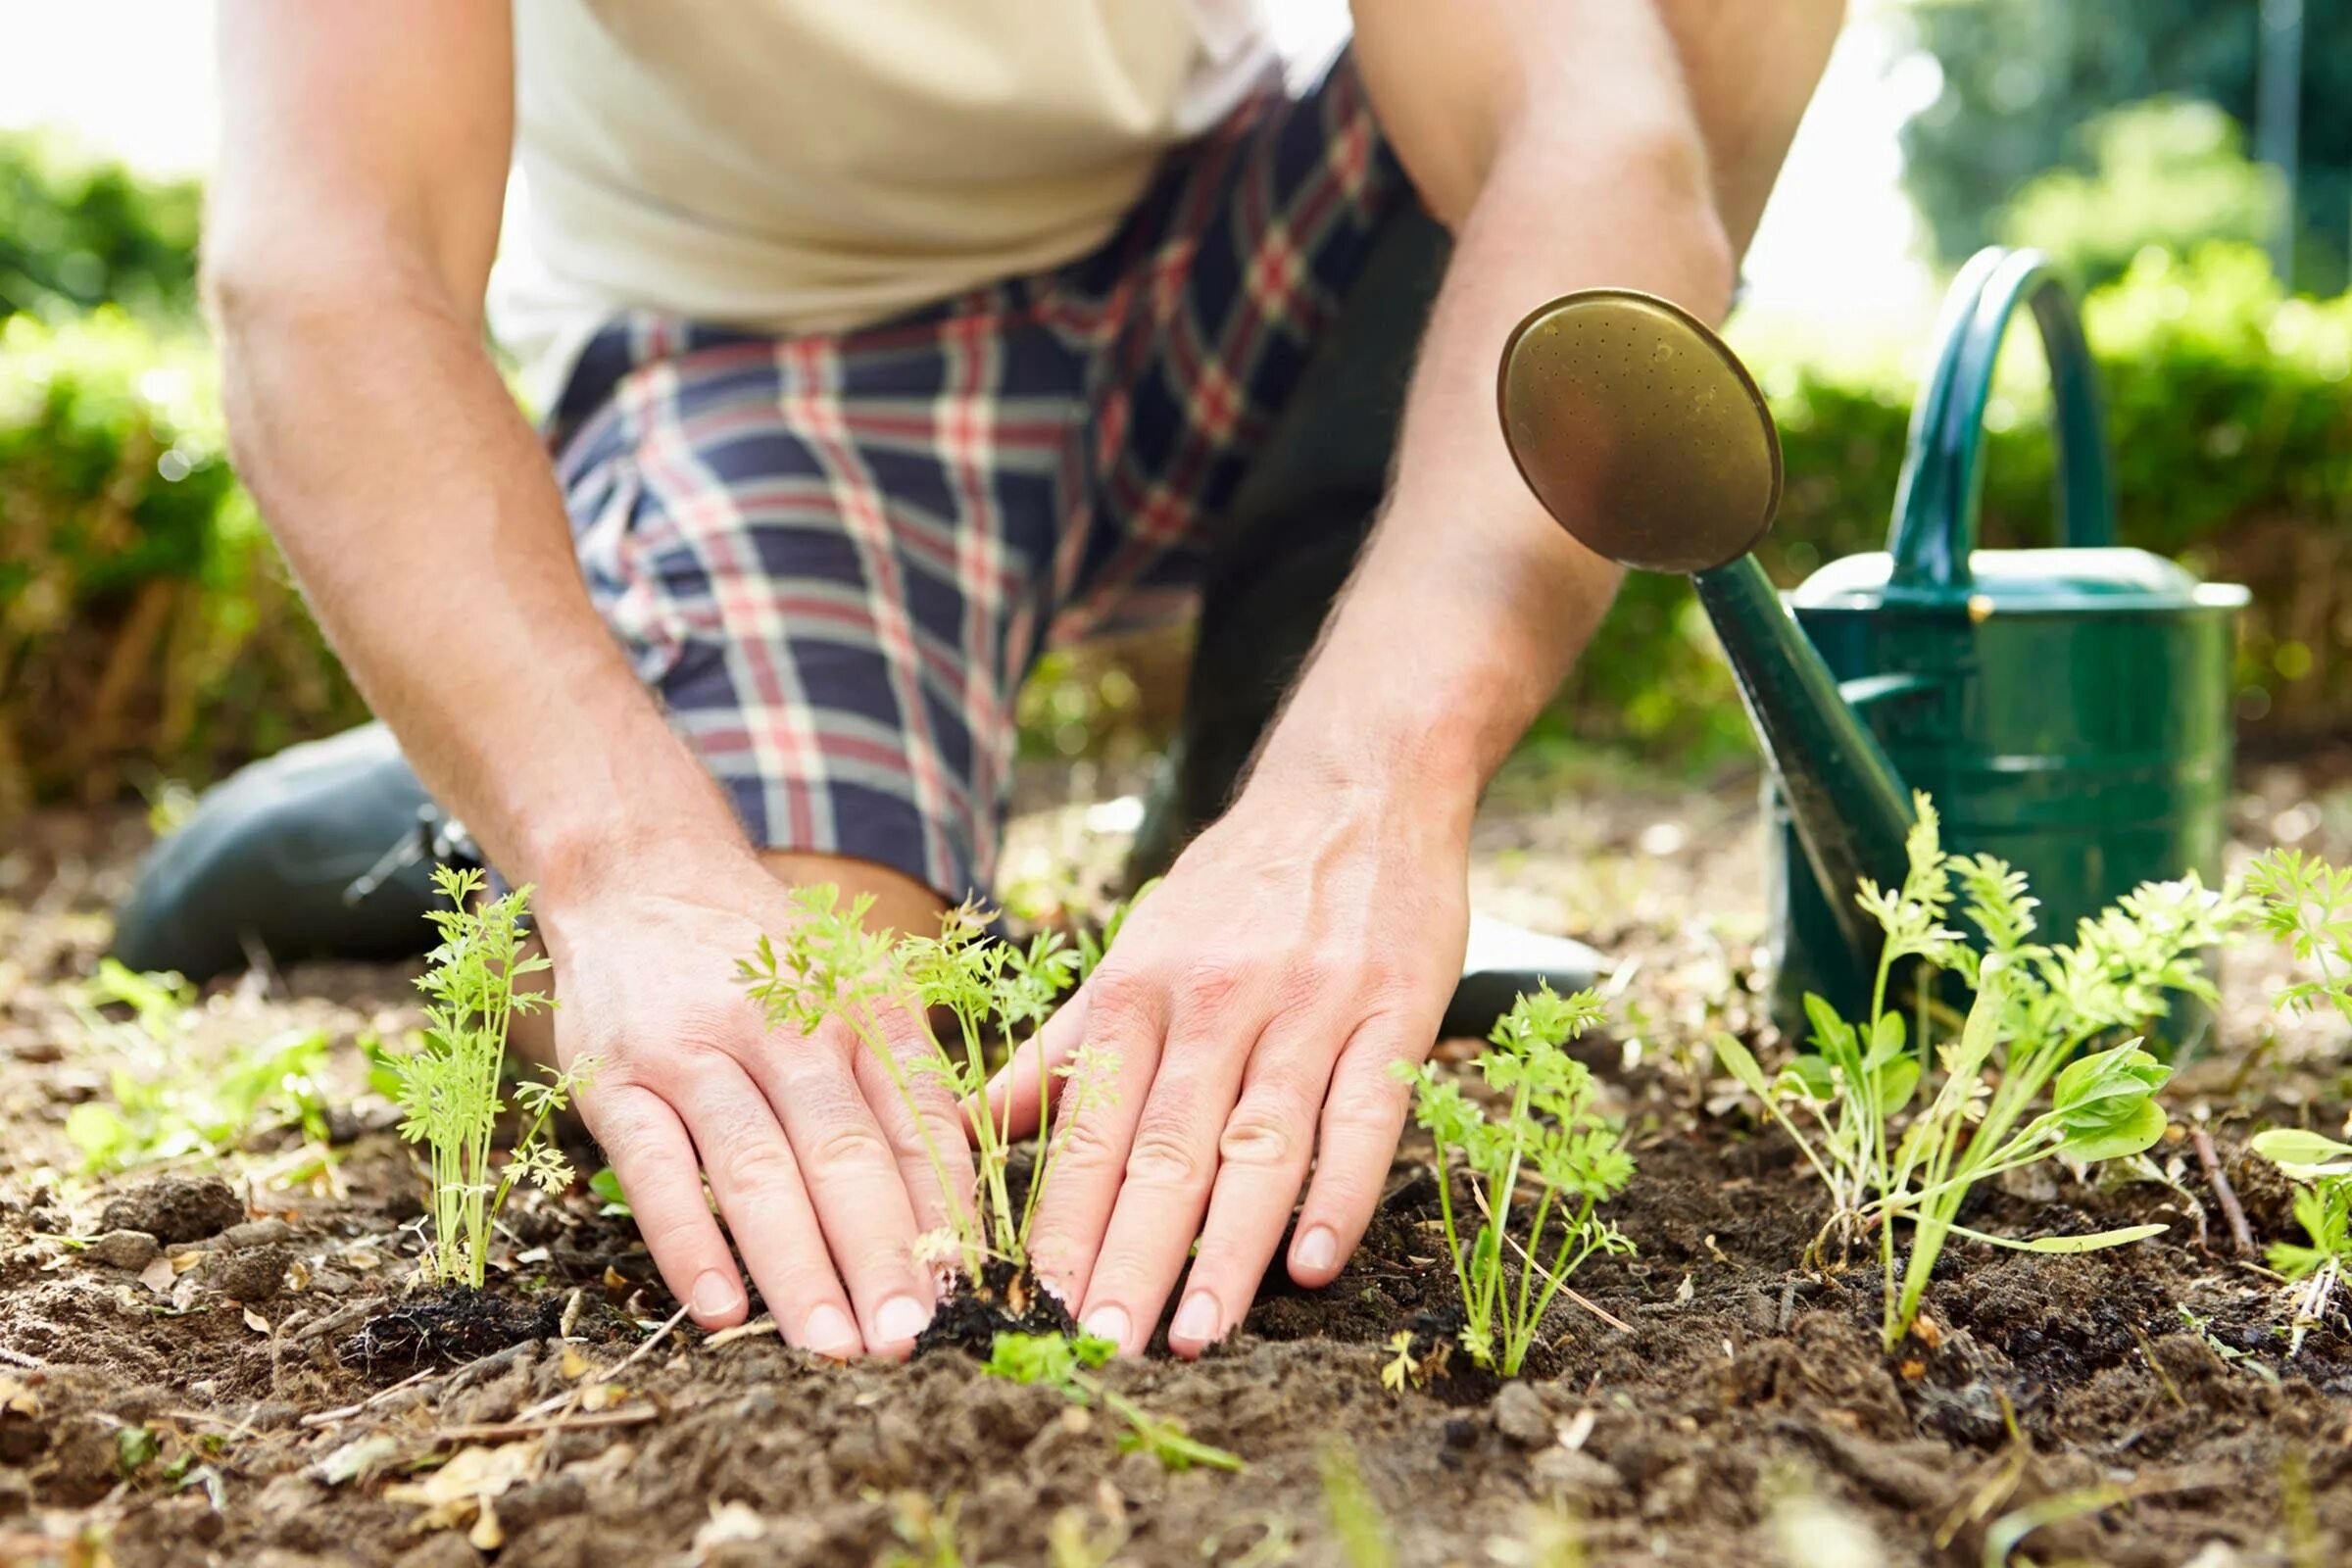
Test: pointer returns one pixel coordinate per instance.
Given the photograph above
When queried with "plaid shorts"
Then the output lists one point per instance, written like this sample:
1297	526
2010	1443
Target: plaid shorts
834	557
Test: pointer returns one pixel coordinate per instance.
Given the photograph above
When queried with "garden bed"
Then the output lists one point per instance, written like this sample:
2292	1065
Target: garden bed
272	1395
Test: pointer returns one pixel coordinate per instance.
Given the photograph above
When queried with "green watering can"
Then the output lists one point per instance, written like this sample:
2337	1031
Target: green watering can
2068	708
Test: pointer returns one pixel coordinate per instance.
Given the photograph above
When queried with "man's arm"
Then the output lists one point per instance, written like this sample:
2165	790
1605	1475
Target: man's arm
351	231
1311	938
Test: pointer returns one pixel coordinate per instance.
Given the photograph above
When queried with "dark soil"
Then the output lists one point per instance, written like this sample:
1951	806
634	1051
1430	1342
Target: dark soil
1729	1409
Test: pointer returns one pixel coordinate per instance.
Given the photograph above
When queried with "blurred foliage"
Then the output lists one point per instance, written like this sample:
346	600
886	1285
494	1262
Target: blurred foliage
2168	173
78	232
146	626
2024	81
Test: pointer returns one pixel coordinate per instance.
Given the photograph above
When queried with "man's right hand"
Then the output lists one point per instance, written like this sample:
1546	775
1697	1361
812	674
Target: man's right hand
814	1157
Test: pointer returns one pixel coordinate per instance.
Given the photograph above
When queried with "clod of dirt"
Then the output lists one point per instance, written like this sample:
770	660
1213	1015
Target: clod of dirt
175	1210
1571	1472
455	1323
970	1319
253	1233
124	1250
1519	1415
251	1275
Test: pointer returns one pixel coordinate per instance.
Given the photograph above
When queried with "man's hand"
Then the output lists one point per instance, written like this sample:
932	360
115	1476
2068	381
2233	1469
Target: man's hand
1297	949
816	1164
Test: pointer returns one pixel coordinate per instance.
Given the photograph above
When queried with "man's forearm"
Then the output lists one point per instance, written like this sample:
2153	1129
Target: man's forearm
1471	603
419	510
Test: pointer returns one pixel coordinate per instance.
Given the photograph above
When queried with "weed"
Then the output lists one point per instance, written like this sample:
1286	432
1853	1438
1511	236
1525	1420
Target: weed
1549	1130
172	1101
830	966
2322	1172
449	1086
2306	903
2034	1007
1056	1361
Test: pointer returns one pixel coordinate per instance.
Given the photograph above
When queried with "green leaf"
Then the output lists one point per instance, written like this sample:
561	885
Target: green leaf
2115	1137
136	1447
2097	1241
606	1184
2304	1155
1897	1081
1740	1063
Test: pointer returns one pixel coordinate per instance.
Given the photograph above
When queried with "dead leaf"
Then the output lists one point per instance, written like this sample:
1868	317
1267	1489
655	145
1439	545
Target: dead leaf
729	1524
256	1322
763	1324
487	1534
459	1491
159	1275
17	1397
575	1365
357	1460
602	1396
1684	1291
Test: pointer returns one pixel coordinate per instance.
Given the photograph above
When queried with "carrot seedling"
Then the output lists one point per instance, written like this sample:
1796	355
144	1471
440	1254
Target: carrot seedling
2306	903
830	967
2321	1170
1057	1362
449	1087
1550	1131
2034	1007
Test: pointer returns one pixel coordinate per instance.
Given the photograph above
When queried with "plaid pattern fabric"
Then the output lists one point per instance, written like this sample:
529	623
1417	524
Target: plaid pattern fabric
835	557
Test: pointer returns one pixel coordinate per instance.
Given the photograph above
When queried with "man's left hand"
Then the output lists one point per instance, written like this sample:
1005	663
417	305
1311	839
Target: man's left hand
1254	1004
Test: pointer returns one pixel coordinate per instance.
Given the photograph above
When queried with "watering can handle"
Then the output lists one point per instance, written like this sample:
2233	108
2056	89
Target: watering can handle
1942	482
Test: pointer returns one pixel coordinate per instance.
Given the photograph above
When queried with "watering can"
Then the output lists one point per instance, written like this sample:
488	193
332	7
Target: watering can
2068	708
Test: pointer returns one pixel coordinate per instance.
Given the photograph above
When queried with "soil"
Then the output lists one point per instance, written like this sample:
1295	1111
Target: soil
264	1385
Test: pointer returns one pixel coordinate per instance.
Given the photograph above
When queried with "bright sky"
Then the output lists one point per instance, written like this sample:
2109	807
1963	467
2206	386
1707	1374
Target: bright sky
135	76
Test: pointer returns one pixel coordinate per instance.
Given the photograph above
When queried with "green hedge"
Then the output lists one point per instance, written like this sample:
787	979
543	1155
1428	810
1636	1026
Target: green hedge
2230	408
146	627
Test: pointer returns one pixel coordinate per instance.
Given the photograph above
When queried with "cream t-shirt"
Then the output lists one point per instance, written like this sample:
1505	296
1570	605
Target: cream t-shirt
806	165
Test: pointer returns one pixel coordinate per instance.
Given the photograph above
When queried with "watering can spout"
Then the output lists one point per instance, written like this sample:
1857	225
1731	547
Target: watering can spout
1641	431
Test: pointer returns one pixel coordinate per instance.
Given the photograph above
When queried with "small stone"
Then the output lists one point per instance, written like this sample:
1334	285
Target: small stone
251	1275
1519	1415
175	1210
255	1233
129	1250
1565	1472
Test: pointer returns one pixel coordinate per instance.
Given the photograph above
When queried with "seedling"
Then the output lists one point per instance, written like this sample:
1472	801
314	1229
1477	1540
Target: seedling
831	967
2306	903
2321	1170
1057	1362
2034	1007
1549	1131
173	1101
449	1087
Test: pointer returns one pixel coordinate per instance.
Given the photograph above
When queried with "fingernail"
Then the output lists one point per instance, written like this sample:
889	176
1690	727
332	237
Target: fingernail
714	1294
1109	1323
902	1317
829	1332
1318	1250
1197	1320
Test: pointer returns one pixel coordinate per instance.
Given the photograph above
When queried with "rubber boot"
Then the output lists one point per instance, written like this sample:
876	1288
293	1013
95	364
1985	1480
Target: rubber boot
325	849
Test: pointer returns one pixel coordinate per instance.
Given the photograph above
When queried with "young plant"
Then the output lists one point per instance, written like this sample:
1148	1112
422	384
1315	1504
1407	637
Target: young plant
172	1100
2306	903
830	966
449	1087
1056	1361
1548	1130
2034	1007
2321	1170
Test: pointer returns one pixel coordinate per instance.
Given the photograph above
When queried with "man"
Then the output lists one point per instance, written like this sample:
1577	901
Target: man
879	338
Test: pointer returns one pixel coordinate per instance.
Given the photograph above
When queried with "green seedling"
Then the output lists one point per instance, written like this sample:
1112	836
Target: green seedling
1548	1130
2322	1172
830	967
172	1100
2035	1007
2306	903
1356	1522
448	1087
1057	1362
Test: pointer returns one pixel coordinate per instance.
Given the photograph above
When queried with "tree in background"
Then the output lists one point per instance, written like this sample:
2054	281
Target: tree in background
2024	80
2170	172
